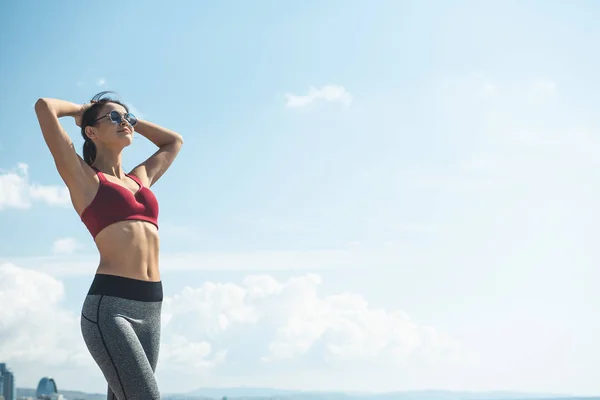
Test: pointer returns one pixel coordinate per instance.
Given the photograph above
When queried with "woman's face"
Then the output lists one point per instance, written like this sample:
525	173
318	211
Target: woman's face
109	133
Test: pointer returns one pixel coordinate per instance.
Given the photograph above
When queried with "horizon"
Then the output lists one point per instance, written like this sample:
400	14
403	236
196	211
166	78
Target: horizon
397	196
269	391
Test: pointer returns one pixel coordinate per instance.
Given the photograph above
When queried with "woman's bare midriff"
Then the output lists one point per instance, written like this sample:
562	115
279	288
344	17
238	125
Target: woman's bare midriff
129	249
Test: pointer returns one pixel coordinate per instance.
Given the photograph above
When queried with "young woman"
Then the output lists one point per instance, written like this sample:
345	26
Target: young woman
121	314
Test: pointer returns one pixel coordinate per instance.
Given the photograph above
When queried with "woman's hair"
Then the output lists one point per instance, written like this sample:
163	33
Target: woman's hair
89	118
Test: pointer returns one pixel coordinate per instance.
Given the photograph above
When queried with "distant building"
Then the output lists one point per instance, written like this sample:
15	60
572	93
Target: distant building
47	390
8	388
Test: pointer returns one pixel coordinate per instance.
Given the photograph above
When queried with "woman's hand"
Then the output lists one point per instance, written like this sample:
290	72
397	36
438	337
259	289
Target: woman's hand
79	114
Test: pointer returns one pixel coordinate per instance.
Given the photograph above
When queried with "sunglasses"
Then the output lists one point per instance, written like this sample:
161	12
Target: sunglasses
116	118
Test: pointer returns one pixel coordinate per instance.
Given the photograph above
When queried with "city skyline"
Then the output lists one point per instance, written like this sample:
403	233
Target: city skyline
47	389
8	387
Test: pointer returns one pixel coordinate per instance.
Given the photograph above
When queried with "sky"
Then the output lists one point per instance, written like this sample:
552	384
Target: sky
374	196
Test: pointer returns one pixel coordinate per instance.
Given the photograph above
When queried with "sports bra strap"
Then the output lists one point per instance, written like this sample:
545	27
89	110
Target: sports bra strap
136	179
100	174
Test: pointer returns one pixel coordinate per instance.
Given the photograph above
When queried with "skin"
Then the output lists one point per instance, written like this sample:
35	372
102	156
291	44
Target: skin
127	248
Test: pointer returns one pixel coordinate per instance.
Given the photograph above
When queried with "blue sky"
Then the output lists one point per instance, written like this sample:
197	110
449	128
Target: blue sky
399	188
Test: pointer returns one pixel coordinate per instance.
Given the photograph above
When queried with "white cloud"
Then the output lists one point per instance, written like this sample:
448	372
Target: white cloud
35	329
292	321
51	195
16	191
39	335
257	325
65	246
183	355
99	82
331	93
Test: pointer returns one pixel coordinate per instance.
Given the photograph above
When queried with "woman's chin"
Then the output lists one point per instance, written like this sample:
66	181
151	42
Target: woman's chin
127	140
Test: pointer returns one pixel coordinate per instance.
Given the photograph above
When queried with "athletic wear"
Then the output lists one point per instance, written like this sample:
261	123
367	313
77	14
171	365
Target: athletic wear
120	323
121	317
114	203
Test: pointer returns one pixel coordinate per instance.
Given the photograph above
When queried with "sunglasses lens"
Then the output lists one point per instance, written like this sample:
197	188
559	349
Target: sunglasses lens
115	117
131	119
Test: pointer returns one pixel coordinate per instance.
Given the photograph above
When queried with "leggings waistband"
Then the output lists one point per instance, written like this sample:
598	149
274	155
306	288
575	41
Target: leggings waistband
126	288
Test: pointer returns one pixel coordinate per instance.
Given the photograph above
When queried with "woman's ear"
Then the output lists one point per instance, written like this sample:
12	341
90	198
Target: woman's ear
90	132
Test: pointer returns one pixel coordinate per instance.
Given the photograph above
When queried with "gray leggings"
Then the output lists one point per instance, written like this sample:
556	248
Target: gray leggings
120	324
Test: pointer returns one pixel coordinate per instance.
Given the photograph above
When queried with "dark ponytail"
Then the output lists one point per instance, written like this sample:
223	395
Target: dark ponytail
89	150
89	118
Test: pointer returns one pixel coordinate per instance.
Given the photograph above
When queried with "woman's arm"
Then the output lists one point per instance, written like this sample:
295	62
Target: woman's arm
169	144
69	164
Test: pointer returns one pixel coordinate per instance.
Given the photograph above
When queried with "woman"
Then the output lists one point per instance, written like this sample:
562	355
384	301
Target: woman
120	319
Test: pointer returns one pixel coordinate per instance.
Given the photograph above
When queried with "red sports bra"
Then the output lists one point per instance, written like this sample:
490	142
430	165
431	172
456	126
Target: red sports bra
114	203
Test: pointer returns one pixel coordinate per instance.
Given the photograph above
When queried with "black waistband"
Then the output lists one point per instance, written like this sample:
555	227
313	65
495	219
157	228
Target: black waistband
126	288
